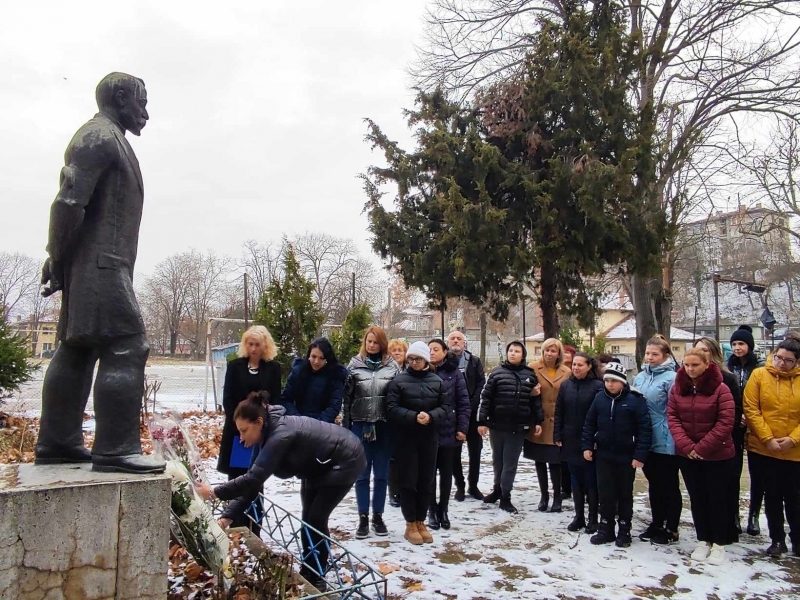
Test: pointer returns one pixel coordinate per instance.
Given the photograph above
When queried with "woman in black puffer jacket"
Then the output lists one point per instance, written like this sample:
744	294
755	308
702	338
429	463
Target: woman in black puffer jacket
575	396
508	409
452	432
416	403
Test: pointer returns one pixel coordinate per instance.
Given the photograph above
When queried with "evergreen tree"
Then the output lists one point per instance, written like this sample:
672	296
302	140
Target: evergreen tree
14	366
289	311
346	341
534	184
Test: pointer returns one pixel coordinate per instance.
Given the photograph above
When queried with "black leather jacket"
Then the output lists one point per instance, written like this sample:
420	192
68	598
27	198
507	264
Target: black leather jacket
365	391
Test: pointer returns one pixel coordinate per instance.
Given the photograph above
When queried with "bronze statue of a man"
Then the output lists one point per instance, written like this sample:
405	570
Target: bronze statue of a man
92	243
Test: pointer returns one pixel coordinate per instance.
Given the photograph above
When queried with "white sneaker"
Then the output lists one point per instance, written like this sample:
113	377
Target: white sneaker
717	555
701	552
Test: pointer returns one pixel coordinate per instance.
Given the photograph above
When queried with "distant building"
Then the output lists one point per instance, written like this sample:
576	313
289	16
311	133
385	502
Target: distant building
745	239
40	335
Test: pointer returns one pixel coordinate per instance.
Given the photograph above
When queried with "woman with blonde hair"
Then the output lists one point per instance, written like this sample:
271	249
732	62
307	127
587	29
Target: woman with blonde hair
253	371
550	372
713	352
398	349
364	413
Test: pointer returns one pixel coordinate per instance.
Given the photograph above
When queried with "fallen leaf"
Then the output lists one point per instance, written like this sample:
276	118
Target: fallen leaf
193	571
385	568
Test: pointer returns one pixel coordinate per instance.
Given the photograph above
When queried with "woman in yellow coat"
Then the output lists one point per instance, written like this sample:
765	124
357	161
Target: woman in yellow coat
550	371
772	410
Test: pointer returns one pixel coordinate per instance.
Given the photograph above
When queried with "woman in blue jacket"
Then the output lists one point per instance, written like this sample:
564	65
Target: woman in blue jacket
316	384
661	467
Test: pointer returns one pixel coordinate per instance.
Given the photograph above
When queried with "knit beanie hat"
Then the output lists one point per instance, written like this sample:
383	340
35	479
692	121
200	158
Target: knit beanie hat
615	370
744	334
521	345
419	349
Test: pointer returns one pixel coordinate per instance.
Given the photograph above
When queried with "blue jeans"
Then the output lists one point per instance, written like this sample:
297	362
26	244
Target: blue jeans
378	455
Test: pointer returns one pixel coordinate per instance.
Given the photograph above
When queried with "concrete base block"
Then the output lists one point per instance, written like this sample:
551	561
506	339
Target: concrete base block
68	533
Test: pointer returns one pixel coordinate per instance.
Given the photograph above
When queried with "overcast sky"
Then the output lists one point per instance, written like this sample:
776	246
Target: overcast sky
256	112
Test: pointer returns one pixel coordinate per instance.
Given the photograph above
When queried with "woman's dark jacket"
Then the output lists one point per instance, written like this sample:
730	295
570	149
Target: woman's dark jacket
619	426
238	384
741	371
411	393
323	453
316	395
365	390
455	386
506	401
732	382
575	397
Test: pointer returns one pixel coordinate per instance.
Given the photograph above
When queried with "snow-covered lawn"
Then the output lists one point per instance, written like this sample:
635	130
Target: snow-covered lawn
489	554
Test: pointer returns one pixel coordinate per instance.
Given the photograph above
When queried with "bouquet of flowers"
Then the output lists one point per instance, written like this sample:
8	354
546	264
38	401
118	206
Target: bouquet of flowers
191	521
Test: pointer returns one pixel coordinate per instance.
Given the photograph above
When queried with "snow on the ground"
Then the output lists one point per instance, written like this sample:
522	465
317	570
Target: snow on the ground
490	554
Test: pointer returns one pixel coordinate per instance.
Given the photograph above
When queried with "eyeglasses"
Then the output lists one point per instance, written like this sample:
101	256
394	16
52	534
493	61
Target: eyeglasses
415	359
785	361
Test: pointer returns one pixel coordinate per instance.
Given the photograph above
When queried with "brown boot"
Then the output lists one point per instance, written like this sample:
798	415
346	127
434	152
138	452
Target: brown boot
412	533
423	531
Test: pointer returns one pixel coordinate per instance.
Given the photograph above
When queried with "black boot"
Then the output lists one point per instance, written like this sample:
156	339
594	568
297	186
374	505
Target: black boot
624	534
605	533
777	548
505	504
444	519
378	526
363	526
753	527
541	475
394	501
580	520
591	522
459	495
475	493
555	477
433	518
566	482
493	497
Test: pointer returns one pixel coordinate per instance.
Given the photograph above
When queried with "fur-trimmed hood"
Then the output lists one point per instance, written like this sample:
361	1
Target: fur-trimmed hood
706	386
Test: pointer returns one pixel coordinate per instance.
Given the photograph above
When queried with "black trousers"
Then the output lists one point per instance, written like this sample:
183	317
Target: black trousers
615	487
318	504
241	519
474	449
782	493
444	464
664	489
734	489
757	482
708	483
416	468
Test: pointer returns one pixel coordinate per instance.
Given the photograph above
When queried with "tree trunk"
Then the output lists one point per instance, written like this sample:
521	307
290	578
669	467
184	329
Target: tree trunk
173	341
653	309
482	321
547	301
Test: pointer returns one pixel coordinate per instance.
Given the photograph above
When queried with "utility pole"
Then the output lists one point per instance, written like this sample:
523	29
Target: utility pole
524	337
750	286
246	297
353	290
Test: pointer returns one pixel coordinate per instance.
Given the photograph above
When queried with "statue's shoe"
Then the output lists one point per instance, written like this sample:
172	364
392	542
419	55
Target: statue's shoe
57	455
127	463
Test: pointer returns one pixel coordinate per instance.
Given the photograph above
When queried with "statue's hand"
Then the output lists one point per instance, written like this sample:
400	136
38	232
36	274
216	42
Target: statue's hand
52	278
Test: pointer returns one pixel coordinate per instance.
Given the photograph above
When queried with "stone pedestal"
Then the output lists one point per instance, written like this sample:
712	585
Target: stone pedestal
68	533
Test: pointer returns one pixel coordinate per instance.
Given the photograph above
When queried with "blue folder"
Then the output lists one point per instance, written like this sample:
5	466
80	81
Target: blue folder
240	456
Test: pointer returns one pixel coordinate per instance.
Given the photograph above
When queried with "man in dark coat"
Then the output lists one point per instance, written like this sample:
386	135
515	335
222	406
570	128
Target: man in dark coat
473	371
93	239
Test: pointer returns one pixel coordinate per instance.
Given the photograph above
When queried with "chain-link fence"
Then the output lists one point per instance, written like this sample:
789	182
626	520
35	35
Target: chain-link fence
179	384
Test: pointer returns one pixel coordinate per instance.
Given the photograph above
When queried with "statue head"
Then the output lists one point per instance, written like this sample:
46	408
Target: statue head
123	98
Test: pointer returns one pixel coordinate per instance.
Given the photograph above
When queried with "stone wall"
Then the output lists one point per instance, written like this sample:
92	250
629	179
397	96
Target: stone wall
69	533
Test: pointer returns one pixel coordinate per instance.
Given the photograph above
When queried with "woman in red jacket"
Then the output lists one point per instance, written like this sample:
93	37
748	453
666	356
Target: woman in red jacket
700	413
